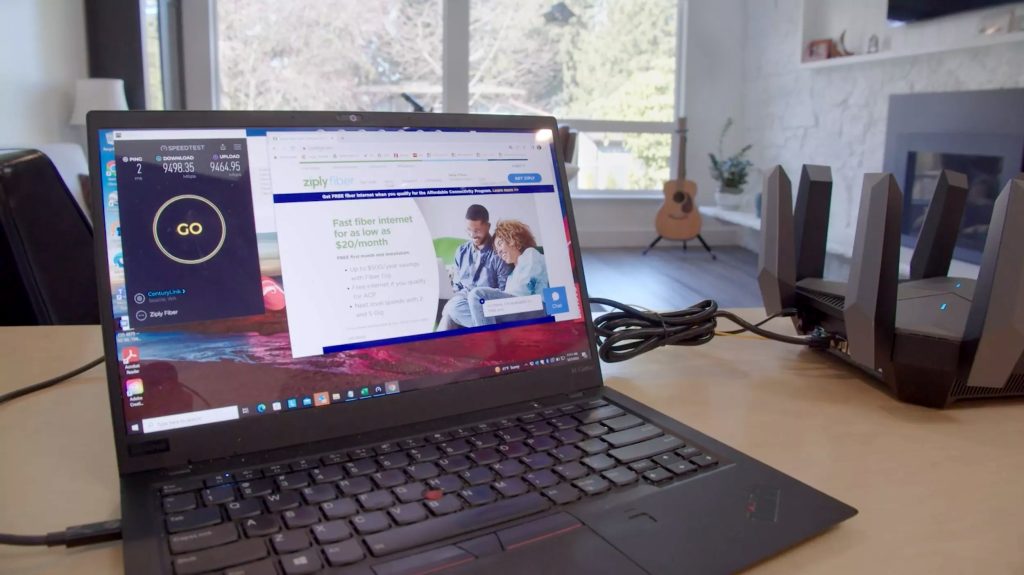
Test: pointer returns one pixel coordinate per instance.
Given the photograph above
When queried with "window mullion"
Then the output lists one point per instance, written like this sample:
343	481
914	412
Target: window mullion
455	57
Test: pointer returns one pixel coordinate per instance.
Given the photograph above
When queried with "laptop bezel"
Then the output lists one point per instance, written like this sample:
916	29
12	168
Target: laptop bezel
144	452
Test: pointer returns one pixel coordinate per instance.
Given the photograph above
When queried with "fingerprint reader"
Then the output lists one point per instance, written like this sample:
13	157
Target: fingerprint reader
944	306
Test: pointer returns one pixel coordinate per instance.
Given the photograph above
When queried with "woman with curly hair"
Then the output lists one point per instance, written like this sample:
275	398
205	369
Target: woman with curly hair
515	244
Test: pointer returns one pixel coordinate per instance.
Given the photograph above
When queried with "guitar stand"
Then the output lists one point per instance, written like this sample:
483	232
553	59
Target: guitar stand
699	237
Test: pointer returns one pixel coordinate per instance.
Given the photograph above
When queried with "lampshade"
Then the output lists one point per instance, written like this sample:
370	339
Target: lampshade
97	94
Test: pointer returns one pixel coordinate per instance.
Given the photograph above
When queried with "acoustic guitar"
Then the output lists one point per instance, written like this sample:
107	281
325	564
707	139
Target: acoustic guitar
678	217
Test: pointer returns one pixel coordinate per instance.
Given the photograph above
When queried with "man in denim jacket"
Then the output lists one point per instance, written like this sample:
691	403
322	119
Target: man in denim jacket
477	265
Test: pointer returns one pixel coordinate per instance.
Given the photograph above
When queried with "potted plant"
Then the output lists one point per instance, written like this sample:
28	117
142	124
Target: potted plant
731	173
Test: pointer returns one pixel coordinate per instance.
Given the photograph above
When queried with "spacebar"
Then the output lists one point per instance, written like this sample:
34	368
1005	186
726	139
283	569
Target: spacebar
402	538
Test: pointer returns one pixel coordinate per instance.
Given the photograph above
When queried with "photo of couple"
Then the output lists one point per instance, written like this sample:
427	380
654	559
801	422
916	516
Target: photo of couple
503	262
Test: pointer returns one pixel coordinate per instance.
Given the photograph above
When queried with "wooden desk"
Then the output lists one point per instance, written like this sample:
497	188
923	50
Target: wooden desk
938	491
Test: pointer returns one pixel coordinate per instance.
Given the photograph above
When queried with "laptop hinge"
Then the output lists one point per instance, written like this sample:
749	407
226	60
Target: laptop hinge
149	447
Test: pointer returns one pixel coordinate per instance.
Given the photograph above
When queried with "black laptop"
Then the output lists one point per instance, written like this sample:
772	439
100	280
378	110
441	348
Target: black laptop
324	357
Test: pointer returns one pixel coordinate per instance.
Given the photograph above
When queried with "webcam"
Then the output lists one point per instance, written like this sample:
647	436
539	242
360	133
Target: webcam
351	117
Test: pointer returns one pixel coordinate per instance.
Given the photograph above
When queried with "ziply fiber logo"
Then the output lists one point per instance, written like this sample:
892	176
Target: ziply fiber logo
323	182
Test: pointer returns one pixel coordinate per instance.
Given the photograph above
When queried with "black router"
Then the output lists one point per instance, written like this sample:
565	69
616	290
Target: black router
932	339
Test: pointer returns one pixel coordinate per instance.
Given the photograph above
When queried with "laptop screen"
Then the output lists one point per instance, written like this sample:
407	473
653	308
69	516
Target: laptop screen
256	271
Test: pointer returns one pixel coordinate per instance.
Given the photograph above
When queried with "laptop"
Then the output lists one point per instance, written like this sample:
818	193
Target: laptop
281	403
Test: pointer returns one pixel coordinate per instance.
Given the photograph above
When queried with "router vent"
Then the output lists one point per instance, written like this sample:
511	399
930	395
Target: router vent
1014	386
832	300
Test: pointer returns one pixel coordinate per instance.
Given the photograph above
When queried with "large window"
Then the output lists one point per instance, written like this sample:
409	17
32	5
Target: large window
606	67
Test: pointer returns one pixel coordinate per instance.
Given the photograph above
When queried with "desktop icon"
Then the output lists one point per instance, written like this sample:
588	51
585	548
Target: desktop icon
135	427
133	387
125	322
350	395
276	406
130	355
364	392
293	403
119	260
112	200
497	369
321	398
378	390
115	229
110	169
245	411
307	401
109	136
120	294
335	397
391	386
261	408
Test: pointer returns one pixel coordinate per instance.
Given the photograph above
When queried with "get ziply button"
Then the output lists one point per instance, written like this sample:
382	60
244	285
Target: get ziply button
523	178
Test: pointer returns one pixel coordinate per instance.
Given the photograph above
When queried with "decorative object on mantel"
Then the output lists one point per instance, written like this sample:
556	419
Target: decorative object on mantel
996	24
873	44
818	50
731	173
840	47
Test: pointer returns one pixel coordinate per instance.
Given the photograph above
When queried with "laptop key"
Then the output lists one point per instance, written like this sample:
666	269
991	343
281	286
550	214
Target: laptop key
593	446
642	465
572	470
592	484
509	468
688	452
219	479
598	414
344	553
355	486
301	517
594	429
189	520
360	467
620	476
514	449
257	488
407	513
438	437
318	494
182	486
542	443
566	453
549	413
421	471
281	501
425	453
289	541
461	432
260	525
538	428
410	536
538	461
327	474
564	422
265	567
360	453
339	509
541	479
375	500
385	448
390	478
567	409
331	532
296	480
454	464
410	492
333	458
598	462
218	495
512	434
304	464
657	475
371	522
179	503
248	475
455	447
301	563
511	487
530	418
704	460
568	436
646	449
634	435
477	475
410	443
202	538
445	483
393	460
562	493
503	423
484	440
220	557
680	467
445	505
244	508
276	469
623	422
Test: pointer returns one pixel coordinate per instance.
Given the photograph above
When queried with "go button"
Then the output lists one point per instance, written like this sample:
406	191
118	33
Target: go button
523	178
189	229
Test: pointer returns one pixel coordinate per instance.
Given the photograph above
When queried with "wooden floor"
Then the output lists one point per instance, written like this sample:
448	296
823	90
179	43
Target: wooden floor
669	278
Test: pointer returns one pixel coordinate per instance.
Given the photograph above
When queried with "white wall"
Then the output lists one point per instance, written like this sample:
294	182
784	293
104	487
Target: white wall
42	53
837	115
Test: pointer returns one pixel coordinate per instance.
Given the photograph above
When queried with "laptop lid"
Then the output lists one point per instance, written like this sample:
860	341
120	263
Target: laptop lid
272	279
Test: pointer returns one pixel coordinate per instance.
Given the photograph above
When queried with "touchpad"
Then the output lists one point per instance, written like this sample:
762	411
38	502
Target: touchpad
568	550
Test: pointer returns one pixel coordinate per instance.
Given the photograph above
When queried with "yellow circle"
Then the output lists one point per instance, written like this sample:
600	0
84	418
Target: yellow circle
223	228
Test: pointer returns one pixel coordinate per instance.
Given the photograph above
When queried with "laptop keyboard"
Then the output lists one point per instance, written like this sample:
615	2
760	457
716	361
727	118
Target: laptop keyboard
314	513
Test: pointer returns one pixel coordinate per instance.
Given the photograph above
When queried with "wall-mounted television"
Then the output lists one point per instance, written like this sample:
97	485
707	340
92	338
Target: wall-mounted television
915	10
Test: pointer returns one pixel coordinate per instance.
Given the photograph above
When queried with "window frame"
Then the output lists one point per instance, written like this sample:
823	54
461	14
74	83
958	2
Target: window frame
200	89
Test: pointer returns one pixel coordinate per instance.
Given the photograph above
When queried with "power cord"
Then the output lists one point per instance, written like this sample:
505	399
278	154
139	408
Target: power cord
77	535
632	331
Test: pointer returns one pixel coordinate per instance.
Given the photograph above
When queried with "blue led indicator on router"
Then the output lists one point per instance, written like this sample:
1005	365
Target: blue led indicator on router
944	306
958	285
